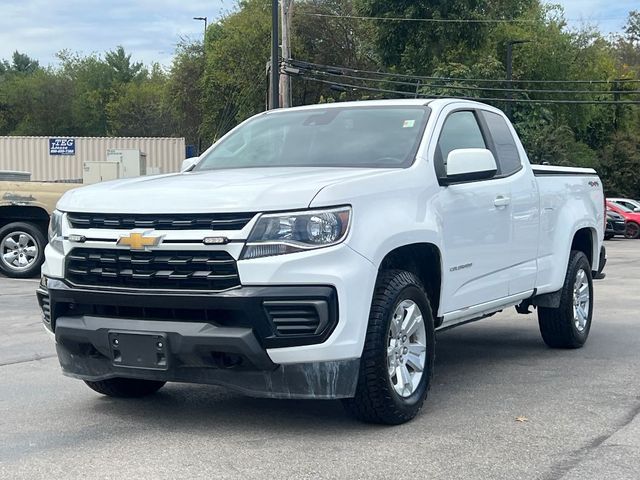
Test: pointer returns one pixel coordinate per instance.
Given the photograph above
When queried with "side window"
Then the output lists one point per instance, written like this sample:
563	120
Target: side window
460	130
506	150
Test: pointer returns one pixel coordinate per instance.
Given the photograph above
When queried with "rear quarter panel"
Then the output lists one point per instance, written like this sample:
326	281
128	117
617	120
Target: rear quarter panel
570	200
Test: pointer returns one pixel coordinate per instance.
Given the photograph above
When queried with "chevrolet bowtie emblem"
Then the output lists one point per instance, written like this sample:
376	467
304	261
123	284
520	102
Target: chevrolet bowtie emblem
139	241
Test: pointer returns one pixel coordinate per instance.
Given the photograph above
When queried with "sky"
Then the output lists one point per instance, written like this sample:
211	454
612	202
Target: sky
150	29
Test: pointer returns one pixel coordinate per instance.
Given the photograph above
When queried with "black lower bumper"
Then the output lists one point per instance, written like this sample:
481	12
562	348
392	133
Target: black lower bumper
199	353
211	339
279	316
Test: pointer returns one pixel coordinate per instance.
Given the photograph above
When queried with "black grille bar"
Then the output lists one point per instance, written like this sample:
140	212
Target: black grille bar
196	221
161	270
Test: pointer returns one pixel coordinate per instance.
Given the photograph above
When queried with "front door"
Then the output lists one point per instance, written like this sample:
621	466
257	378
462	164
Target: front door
476	223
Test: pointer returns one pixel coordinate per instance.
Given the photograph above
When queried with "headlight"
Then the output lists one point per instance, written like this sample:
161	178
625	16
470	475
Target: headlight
280	233
55	231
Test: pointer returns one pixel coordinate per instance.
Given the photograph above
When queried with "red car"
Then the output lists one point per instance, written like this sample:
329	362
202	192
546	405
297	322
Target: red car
632	218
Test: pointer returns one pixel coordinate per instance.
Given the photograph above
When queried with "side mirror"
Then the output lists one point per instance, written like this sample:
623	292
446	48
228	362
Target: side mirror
468	164
188	163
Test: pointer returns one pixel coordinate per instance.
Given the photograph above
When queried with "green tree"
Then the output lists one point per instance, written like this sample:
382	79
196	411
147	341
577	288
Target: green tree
185	89
124	70
22	63
620	164
237	51
141	109
37	104
93	81
418	47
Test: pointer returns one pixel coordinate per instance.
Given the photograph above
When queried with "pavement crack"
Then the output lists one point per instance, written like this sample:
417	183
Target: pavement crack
27	360
574	458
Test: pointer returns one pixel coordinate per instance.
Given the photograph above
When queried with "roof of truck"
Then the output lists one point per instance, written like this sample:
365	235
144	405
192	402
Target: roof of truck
400	102
418	102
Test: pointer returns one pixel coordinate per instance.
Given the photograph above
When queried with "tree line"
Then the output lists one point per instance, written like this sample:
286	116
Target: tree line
574	99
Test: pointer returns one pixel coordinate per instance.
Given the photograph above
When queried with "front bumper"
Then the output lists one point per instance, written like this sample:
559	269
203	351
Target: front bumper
217	338
350	274
616	227
199	353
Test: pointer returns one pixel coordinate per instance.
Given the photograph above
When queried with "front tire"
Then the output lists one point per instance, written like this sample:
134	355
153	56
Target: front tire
397	361
21	249
568	325
125	387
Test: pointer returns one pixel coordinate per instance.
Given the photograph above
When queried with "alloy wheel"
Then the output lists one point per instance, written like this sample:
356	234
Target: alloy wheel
581	301
18	250
406	348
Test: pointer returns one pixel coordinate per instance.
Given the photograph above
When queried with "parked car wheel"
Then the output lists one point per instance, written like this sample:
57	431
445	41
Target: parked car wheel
397	362
21	249
633	230
125	387
568	325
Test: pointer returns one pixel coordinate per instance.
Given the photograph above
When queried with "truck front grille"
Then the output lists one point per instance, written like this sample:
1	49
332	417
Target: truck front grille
202	221
160	270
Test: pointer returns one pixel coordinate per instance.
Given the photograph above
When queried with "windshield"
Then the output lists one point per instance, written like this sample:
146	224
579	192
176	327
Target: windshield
334	137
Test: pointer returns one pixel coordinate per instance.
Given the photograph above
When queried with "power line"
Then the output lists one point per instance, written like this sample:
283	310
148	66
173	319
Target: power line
445	20
480	99
425	20
299	63
475	88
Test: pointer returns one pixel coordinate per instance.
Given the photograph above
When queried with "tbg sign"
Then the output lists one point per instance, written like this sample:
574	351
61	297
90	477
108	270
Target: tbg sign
62	146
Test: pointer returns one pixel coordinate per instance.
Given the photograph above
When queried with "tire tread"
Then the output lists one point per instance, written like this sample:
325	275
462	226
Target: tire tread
373	401
556	323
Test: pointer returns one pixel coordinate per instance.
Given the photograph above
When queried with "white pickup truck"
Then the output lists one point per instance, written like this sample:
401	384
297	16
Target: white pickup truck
313	252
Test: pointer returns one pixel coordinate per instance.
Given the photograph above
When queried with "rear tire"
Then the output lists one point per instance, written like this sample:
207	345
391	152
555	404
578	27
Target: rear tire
632	231
21	249
568	325
399	345
125	387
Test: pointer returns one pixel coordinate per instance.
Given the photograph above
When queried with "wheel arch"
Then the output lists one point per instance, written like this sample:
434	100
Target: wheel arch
425	261
30	214
585	240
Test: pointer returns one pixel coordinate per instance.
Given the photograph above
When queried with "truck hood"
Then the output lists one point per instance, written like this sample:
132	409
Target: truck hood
234	190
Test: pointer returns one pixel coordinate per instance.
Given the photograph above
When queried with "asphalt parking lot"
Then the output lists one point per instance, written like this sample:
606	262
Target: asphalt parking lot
503	406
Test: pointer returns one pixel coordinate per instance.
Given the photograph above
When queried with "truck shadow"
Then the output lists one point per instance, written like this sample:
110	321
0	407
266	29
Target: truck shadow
468	357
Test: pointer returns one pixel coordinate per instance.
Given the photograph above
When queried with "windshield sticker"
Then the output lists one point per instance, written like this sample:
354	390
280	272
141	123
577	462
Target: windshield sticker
408	124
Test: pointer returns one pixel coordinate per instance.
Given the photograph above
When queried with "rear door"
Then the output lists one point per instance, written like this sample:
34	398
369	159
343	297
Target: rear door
524	201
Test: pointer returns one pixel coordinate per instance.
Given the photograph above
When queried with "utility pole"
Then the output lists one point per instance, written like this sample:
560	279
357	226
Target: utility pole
275	57
509	66
616	109
285	80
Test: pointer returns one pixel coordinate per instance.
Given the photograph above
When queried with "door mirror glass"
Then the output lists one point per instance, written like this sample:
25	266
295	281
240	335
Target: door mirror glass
188	163
468	164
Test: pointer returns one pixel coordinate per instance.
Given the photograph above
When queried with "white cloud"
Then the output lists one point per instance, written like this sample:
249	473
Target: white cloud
609	17
149	29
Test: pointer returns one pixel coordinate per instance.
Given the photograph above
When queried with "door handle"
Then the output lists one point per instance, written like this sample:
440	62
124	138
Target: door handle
501	201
